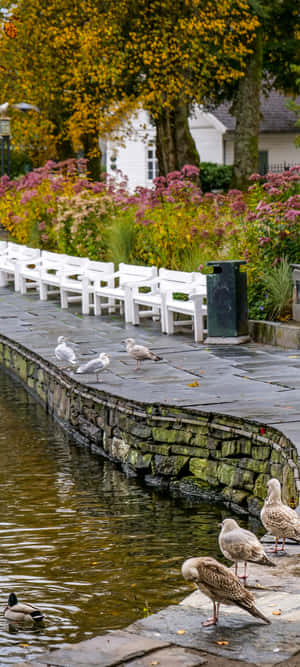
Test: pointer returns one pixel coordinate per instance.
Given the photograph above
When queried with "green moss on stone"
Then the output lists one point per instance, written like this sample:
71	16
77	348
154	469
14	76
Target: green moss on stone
261	452
260	487
162	434
205	469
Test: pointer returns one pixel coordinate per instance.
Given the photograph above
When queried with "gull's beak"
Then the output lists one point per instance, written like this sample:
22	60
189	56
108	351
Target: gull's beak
220	525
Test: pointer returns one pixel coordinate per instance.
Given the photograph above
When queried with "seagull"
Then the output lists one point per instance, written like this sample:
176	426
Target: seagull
22	106
139	352
64	352
19	611
220	585
95	365
4	108
237	544
279	519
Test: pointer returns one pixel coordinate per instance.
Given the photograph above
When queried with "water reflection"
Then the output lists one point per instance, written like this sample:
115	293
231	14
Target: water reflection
91	548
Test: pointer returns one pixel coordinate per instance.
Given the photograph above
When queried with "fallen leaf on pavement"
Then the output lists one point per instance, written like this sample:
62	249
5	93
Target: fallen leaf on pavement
194	384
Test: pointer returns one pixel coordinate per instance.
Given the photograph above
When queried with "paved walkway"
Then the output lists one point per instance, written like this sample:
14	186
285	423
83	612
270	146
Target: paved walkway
256	382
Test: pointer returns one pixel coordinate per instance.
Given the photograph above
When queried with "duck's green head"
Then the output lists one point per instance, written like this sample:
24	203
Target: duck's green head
12	599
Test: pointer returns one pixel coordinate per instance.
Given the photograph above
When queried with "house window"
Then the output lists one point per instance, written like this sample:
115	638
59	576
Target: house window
263	162
152	164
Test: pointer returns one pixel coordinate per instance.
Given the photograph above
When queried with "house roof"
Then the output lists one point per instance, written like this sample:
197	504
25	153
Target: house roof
275	115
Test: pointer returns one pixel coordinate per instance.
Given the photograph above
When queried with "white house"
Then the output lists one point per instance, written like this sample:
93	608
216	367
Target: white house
213	134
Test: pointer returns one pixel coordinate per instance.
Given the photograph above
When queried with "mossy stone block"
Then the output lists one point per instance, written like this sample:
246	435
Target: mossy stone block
169	466
204	469
172	436
260	487
261	452
187	450
226	474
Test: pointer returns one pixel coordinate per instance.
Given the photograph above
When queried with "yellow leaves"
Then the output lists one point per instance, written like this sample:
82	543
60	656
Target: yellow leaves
194	384
222	642
180	632
277	612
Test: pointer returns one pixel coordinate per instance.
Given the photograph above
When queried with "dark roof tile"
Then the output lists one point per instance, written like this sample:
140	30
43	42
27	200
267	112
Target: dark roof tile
276	117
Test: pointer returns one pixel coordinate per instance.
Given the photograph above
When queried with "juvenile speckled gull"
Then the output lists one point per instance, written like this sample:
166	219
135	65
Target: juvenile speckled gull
139	352
64	352
238	544
95	365
220	585
279	519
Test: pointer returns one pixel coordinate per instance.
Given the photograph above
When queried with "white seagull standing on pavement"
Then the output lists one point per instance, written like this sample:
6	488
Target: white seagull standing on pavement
139	352
96	365
64	352
279	519
238	544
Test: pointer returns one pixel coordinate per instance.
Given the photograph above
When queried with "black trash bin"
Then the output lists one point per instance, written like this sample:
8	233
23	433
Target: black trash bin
227	306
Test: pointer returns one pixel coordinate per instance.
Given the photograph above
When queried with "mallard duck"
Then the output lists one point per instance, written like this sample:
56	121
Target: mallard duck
18	611
238	544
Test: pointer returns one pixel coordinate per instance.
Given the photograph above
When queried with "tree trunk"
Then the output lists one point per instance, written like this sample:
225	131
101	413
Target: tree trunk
246	109
175	145
93	154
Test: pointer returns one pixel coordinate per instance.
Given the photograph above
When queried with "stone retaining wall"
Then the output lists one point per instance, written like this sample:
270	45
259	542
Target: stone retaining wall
187	452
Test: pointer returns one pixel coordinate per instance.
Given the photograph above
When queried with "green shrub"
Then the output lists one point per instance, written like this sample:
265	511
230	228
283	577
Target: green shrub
215	176
279	287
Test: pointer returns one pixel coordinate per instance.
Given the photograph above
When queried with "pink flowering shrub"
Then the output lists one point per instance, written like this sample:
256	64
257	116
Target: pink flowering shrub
173	224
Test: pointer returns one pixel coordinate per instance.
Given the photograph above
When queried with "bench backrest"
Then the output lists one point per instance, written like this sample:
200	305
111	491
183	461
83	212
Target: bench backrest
74	265
131	272
175	281
52	262
3	247
21	252
94	269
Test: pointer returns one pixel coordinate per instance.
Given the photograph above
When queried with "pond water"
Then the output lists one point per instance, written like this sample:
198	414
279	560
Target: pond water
93	549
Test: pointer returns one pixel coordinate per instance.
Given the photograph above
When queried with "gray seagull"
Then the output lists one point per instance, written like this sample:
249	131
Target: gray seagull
96	365
139	352
64	352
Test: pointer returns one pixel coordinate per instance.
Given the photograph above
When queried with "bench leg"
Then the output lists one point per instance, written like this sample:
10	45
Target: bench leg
3	279
168	322
43	292
85	302
198	325
135	313
97	301
63	298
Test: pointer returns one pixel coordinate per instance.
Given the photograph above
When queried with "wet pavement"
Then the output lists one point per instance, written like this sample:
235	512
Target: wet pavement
255	382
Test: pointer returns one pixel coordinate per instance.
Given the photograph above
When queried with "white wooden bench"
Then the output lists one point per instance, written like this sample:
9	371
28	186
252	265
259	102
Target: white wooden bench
49	279
194	307
151	303
128	276
3	247
11	261
82	286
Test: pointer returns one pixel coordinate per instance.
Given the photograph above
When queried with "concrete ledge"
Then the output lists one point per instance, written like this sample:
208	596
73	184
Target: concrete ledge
192	453
275	333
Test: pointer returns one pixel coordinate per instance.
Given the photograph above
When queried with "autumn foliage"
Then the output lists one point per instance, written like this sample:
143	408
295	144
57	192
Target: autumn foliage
87	65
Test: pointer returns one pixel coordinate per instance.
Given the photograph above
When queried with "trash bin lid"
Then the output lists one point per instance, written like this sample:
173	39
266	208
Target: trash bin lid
227	261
